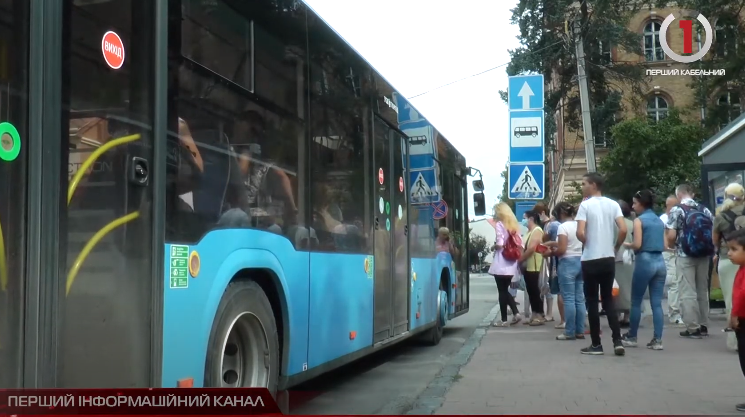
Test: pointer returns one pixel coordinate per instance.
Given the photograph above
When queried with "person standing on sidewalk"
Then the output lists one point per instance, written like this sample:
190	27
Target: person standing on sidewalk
649	269
736	255
568	249
730	217
671	280
597	220
531	264
503	269
690	229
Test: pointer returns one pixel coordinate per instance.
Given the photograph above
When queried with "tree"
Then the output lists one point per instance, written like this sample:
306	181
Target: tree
655	156
576	196
547	49
478	245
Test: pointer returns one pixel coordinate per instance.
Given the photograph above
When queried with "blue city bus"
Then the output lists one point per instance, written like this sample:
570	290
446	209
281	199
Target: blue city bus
241	199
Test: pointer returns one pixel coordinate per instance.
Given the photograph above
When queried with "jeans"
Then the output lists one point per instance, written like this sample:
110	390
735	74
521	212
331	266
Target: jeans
649	272
693	284
571	286
600	273
505	298
533	288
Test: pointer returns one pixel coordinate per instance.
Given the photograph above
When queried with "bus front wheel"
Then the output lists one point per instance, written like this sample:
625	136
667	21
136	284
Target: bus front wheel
434	335
243	349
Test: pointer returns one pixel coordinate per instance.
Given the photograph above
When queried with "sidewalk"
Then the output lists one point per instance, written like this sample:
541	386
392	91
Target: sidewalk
524	370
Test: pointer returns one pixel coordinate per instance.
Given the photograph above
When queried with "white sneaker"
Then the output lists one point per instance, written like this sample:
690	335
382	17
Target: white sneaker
500	323
517	319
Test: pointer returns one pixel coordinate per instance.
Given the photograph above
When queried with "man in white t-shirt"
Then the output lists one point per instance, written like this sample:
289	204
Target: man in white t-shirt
597	220
671	280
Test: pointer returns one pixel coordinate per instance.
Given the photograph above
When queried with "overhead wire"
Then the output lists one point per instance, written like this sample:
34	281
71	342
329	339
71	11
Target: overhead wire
484	72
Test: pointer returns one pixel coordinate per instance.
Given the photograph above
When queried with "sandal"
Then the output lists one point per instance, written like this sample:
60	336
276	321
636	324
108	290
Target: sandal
500	324
560	326
536	322
550	319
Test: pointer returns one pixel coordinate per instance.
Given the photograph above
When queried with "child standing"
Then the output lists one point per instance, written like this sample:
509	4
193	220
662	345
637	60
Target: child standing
736	254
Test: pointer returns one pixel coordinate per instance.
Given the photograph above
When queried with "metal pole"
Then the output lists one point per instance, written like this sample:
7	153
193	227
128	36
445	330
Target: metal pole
584	100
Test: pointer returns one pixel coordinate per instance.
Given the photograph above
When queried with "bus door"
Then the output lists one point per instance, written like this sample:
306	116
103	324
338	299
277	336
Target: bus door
460	233
390	224
104	337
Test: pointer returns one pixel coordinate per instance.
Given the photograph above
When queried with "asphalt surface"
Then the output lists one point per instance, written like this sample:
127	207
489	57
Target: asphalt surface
390	381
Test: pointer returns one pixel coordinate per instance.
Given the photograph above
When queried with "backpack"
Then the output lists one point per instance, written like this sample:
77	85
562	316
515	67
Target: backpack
695	240
512	250
734	220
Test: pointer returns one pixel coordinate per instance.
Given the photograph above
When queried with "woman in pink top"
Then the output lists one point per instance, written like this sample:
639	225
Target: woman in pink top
503	269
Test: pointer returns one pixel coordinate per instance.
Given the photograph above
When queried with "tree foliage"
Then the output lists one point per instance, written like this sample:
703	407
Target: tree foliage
478	245
546	48
655	156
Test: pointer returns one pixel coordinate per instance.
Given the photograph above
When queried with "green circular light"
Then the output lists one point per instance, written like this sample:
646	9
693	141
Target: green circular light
10	142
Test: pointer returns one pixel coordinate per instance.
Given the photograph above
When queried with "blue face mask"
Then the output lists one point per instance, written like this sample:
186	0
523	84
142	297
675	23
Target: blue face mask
524	222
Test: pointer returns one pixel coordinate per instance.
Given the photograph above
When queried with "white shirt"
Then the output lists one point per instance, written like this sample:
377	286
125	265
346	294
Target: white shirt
600	214
664	218
574	246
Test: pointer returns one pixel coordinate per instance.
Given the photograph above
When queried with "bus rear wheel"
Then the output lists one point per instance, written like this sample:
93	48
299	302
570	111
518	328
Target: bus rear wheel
243	349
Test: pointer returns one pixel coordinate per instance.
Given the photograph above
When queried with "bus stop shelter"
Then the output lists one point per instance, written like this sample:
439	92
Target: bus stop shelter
722	163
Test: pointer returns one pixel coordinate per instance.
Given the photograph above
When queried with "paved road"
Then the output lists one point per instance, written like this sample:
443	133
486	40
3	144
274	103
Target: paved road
390	381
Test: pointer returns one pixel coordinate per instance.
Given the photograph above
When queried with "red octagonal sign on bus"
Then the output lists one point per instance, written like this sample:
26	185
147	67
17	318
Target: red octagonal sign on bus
401	184
113	50
380	176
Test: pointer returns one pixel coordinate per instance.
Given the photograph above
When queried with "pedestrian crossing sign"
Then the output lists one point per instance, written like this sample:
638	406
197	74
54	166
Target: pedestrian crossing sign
424	188
526	181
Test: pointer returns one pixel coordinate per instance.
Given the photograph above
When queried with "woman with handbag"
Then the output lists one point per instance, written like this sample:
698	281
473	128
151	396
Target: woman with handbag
531	265
504	268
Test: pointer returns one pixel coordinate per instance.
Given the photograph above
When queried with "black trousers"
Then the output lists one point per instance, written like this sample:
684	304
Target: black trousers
740	333
505	298
533	287
599	274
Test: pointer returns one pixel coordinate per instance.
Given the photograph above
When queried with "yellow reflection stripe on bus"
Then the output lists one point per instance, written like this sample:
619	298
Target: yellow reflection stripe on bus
92	158
91	243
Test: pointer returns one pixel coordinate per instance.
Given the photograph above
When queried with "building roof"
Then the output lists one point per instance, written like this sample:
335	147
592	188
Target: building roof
723	135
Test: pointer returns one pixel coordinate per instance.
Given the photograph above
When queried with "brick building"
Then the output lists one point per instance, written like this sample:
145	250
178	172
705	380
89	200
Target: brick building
566	159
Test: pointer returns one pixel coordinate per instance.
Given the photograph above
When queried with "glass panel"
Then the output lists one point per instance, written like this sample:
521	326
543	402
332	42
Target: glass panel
239	160
105	317
13	112
400	220
381	205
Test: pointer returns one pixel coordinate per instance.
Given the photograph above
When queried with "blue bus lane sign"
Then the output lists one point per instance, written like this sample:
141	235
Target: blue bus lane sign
526	127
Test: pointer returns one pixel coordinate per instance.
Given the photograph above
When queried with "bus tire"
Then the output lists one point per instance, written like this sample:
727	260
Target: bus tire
434	335
243	350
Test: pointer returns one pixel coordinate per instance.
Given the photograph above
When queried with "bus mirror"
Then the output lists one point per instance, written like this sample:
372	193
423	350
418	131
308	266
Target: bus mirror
479	207
478	185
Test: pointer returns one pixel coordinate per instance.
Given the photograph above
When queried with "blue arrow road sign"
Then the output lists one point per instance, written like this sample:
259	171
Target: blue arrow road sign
527	137
526	181
525	92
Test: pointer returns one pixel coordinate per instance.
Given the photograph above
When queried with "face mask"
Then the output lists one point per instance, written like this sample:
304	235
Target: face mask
524	222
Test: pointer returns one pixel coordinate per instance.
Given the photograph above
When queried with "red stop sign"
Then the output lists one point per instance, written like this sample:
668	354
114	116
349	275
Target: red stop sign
401	184
380	176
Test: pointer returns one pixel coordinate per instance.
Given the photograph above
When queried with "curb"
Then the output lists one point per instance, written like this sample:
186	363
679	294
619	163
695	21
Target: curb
433	396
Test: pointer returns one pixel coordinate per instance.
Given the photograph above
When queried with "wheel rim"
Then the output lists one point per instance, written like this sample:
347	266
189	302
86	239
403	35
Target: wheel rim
244	361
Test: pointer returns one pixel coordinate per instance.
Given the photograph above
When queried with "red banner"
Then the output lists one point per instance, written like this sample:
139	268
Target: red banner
147	401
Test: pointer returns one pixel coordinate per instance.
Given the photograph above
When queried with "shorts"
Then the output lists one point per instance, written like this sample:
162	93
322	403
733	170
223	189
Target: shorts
553	283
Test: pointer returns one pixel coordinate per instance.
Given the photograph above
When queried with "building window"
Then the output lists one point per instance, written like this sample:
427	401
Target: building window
730	108
604	49
725	37
652	48
657	108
